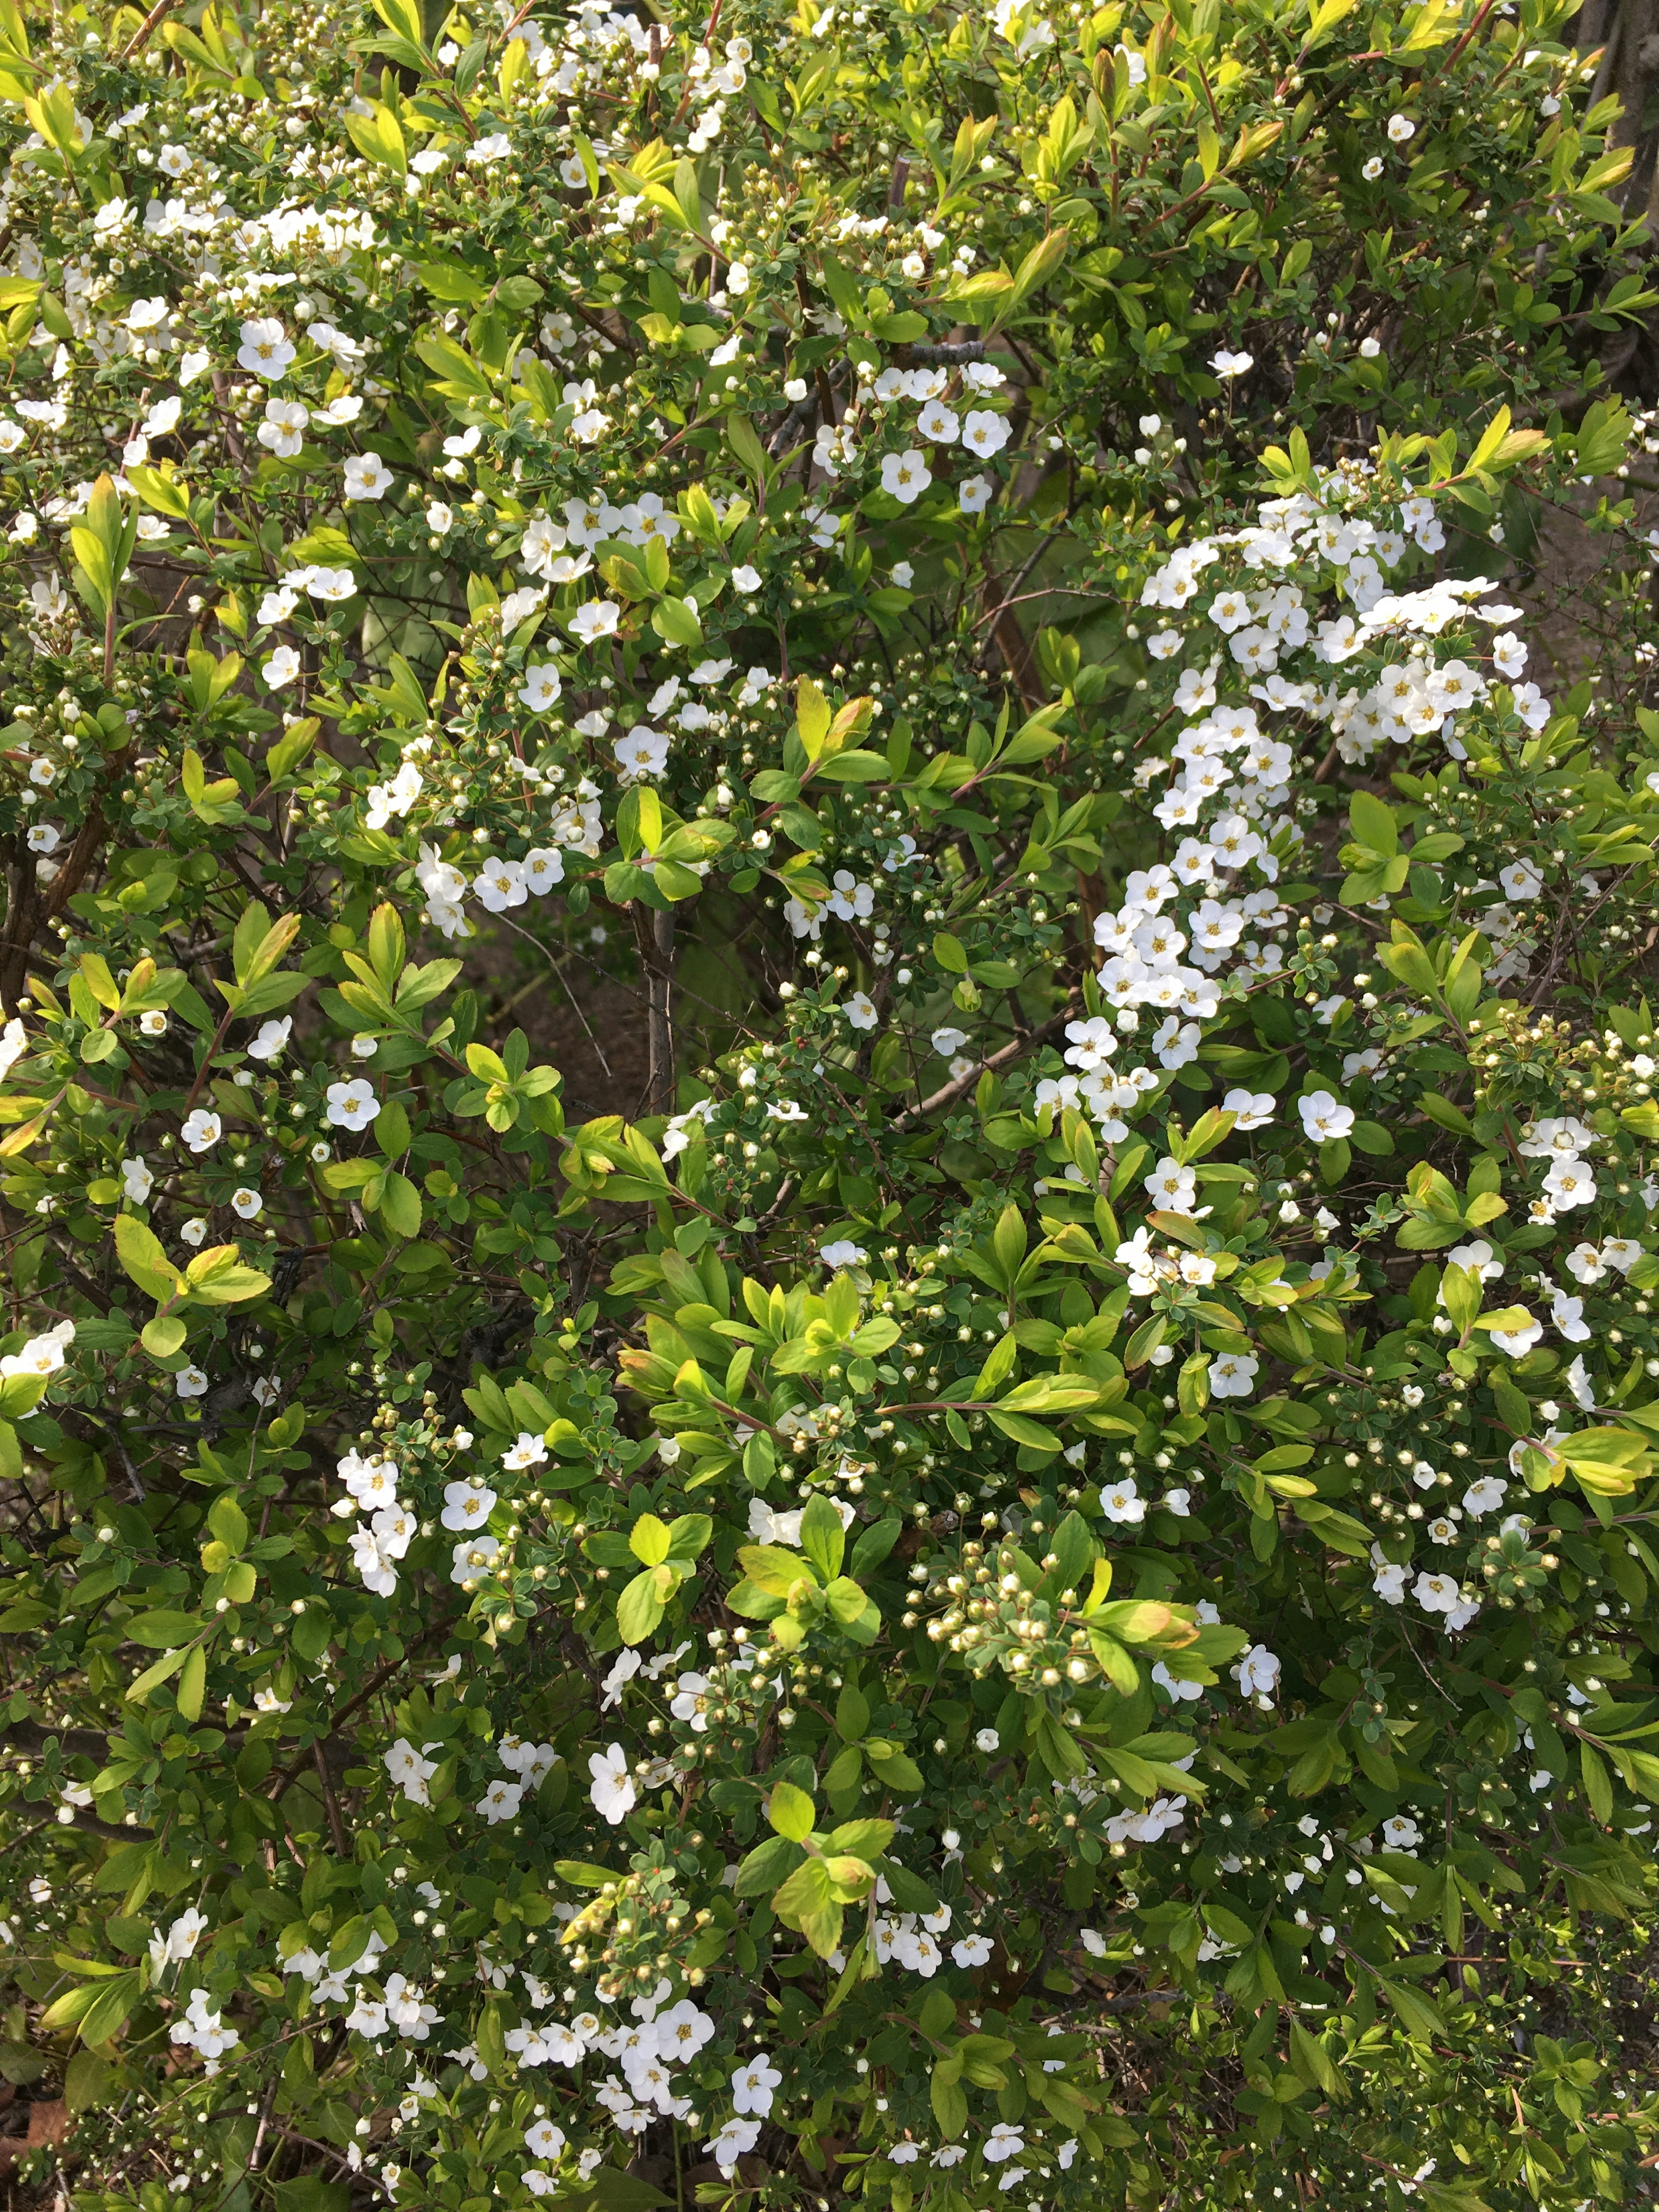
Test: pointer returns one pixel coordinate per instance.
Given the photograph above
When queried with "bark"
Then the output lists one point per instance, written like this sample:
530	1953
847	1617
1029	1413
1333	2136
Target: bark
1627	32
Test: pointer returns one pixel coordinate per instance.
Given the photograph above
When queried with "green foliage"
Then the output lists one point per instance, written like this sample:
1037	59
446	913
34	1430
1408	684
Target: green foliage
1031	1580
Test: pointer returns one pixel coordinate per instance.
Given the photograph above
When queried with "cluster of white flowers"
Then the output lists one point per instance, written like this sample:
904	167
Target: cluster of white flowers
202	2025
372	1487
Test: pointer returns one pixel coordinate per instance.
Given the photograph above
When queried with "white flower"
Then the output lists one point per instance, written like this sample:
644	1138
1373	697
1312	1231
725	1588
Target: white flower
1438	1593
1003	2142
136	1181
1389	1580
246	1204
1122	1502
745	579
466	1505
499	884
973	494
282	431
753	2085
612	1792
272	1040
735	2141
985	431
189	1382
352	1105
541	867
843	1253
1257	1671
1569	1183
905	476
500	1802
530	1450
1324	1118
1233	1375
366	476
1485	1496
1371	171
192	1232
1517	1342
202	1130
265	350
1251	1110
1171	1187
595	619
1227	365
281	668
972	1950
860	1010
1401	128
41	1355
1521	881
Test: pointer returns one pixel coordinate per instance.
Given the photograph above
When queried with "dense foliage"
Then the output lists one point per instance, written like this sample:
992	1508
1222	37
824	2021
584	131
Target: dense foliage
1028	1580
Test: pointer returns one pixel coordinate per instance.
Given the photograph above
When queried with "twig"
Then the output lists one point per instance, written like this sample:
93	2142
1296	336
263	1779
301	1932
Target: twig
162	7
950	1092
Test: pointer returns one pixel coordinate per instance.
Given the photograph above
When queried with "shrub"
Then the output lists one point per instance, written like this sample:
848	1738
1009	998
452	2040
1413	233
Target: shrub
1027	1581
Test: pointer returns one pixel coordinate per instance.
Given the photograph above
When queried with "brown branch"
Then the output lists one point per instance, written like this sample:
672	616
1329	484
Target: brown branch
948	1093
162	7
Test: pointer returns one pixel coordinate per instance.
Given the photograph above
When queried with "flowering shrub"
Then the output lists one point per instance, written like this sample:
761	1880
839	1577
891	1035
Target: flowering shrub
1028	1582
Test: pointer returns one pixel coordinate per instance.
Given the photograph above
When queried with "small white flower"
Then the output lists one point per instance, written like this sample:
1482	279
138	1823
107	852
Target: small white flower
265	350
202	1130
272	1040
612	1792
1232	1375
905	476
596	619
1324	1118
366	476
352	1105
1257	1671
540	686
136	1181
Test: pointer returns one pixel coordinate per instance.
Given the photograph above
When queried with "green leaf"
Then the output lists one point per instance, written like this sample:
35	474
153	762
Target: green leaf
791	1812
640	1608
807	1902
139	1251
162	1627
649	1540
822	1537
